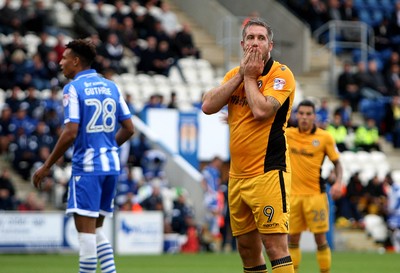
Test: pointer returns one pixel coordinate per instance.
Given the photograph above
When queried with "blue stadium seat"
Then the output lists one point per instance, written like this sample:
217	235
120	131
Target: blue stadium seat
365	16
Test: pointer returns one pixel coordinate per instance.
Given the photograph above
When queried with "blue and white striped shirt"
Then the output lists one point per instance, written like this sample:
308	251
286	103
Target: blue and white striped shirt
98	106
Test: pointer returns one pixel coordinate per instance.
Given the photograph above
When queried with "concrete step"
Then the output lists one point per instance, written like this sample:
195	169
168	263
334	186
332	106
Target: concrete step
207	44
355	240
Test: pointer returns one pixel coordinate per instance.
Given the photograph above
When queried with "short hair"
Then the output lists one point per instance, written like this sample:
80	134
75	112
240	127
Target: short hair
306	103
258	22
84	49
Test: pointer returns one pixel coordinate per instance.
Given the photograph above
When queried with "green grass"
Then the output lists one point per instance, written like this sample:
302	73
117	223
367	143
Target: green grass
342	262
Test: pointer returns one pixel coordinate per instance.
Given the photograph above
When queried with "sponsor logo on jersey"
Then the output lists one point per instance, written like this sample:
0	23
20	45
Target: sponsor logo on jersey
279	83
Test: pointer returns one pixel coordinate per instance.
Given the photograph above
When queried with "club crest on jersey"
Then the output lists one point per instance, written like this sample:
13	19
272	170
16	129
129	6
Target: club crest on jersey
279	83
315	142
259	84
65	100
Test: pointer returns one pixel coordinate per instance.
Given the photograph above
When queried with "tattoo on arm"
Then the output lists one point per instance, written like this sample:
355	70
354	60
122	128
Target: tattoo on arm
275	103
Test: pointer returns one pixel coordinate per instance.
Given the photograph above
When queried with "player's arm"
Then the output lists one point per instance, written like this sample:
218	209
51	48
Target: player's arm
336	189
66	139
218	97
125	132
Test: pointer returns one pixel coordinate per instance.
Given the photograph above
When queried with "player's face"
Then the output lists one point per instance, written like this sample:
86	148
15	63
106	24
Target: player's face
68	64
305	118
257	36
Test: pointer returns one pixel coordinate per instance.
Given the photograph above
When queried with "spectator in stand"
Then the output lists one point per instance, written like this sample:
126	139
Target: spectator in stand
184	43
35	104
153	165
163	59
367	136
346	112
323	114
140	145
52	68
211	184
114	51
395	26
348	87
370	80
155	200
339	132
394	211
7	192
42	136
43	48
119	14
392	121
392	79
40	74
182	214
128	32
9	21
376	197
31	203
101	19
348	11
155	101
173	104
147	56
127	187
22	120
383	35
84	24
21	68
316	13
169	20
376	78
334	10
17	43
6	135
144	21
153	8
6	78
14	100
353	205
61	175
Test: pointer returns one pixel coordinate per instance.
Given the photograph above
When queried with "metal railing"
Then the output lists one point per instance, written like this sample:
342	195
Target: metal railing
345	35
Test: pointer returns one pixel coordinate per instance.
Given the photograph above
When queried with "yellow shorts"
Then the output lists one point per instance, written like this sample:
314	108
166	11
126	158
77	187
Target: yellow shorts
260	202
309	212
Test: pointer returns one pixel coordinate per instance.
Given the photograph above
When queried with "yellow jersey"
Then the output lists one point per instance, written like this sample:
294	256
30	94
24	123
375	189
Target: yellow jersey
307	154
257	147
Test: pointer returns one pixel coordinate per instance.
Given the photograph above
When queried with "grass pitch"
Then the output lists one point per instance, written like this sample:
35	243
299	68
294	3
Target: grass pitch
342	262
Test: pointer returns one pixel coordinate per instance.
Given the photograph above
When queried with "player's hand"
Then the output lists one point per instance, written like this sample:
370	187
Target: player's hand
336	191
244	60
39	175
255	63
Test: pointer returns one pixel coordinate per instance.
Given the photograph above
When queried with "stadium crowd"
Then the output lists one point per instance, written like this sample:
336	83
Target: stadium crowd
149	34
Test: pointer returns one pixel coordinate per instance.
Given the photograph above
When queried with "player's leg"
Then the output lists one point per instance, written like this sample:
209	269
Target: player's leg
297	226
317	213
86	227
294	249
85	211
243	227
323	252
251	252
276	246
105	251
268	198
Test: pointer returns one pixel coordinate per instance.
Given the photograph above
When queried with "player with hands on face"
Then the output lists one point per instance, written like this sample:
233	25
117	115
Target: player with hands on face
259	94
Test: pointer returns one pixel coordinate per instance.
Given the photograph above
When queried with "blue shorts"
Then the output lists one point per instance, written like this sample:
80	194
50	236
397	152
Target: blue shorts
92	195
